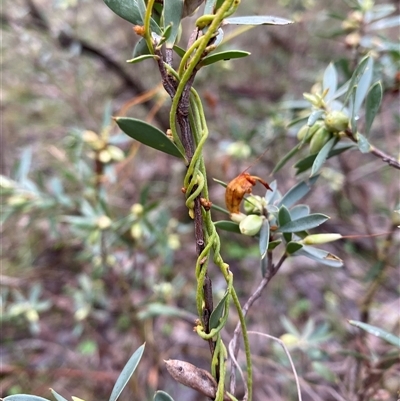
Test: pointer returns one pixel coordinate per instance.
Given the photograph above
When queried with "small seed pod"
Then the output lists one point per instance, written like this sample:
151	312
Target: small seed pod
306	132
251	225
319	139
302	132
336	121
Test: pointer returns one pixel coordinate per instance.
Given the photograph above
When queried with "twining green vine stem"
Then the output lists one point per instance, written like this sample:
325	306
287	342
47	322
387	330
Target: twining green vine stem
147	19
186	104
227	8
197	168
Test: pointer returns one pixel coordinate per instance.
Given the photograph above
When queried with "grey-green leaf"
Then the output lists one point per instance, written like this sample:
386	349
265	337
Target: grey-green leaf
322	156
330	81
372	104
226	55
155	309
162	396
320	255
218	311
141	48
307	162
173	10
359	71
314	116
148	135
264	238
257	20
130	11
286	158
126	9
228	226
377	332
126	373
57	396
299	211
363	85
304	223
283	219
141	58
389	22
379	11
297	192
293	247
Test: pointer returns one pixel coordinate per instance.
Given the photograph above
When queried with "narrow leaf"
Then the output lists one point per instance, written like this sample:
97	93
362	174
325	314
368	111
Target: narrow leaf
264	238
322	156
379	11
126	373
218	311
162	396
142	8
286	158
265	265
359	71
228	226
127	9
377	332
299	211
372	104
307	162
321	256
155	309
226	55
363	85
24	165
57	396
257	20
173	10
141	58
148	135
389	22
297	192
140	48
283	219
293	247
179	51
289	326
273	244
314	116
330	81
304	223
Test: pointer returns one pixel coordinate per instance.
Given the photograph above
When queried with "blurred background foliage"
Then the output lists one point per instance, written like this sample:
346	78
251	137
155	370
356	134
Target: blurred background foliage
97	248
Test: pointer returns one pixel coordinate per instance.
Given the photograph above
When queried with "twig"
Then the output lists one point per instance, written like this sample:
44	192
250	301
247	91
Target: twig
296	378
234	344
390	160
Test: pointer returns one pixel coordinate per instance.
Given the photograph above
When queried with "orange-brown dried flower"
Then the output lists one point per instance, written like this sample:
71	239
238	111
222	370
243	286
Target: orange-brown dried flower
238	188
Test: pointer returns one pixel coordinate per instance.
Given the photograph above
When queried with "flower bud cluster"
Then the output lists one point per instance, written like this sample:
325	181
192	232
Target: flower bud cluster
322	131
105	152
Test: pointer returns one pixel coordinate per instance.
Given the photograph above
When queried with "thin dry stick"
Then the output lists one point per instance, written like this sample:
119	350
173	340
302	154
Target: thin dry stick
296	378
234	344
391	161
